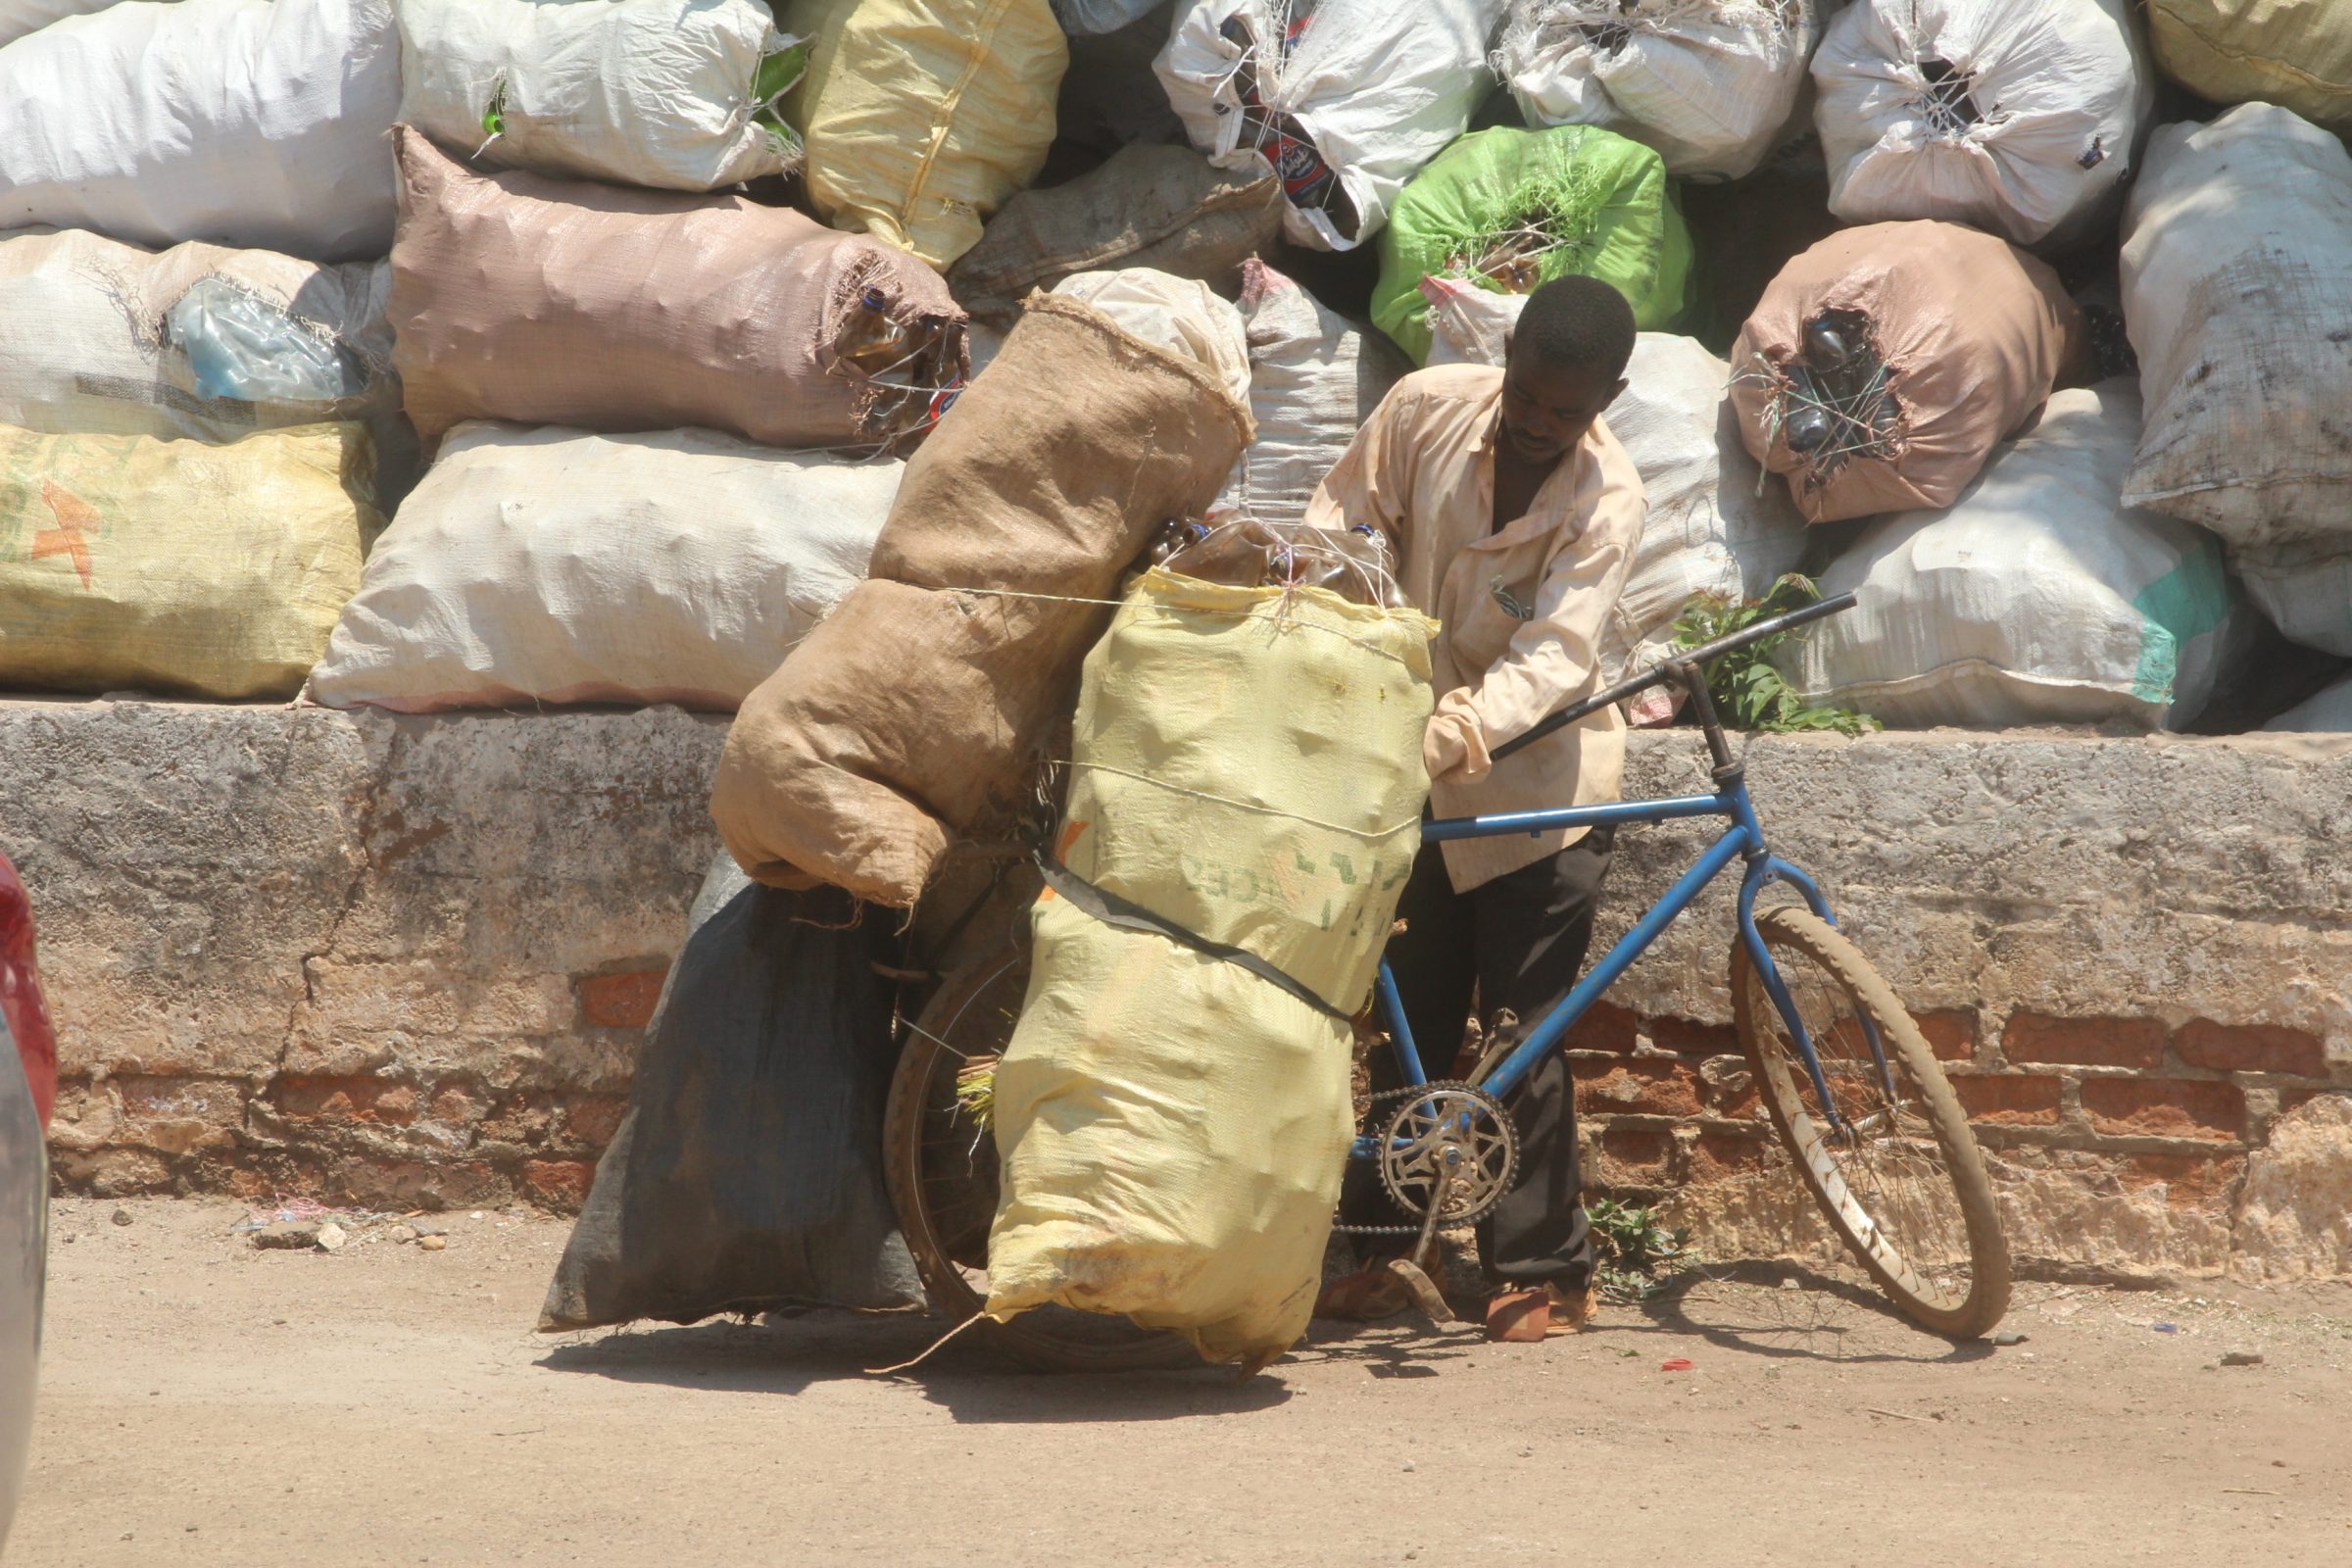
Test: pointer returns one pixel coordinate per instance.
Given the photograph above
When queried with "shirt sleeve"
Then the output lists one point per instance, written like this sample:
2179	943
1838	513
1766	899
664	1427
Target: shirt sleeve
1555	659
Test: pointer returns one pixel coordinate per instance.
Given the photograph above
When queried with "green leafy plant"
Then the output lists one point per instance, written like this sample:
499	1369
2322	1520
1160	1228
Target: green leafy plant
1633	1245
1750	693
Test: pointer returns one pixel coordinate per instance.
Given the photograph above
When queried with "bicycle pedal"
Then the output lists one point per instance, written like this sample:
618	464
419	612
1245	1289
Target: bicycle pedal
1421	1289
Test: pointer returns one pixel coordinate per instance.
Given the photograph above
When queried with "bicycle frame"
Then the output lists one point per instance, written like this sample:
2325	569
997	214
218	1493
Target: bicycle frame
1742	840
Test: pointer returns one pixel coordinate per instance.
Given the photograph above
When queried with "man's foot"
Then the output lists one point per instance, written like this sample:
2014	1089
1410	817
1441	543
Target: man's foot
1383	1289
1364	1296
1529	1313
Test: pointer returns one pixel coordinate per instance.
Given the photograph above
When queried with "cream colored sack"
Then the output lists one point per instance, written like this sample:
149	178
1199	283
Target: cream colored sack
547	565
1174	1127
174	566
923	116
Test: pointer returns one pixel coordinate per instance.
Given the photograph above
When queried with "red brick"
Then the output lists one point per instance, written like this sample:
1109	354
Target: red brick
1952	1036
1651	1086
2010	1100
1633	1156
2084	1042
2251	1047
344	1100
594	1119
1717	1157
1692	1038
391	1183
453	1105
2164	1108
1735	1093
621	1001
522	1118
1604	1026
2189	1181
558	1184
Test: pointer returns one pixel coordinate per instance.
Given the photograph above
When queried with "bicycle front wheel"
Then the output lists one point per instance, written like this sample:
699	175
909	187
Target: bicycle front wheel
1896	1171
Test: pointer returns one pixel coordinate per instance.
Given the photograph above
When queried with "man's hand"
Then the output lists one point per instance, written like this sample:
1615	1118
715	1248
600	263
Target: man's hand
1447	748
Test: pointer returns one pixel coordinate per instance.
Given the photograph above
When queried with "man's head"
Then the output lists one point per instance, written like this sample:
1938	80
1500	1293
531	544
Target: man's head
1565	364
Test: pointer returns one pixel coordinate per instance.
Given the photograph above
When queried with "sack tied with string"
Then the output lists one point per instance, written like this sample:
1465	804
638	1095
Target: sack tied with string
1884	364
639	92
1245	763
1710	84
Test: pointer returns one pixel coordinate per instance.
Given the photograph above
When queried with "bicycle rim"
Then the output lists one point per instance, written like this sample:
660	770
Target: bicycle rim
943	1176
1896	1170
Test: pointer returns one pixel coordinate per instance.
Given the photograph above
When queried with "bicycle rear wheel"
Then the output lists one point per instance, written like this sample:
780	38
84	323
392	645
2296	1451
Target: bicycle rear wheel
1902	1182
941	1163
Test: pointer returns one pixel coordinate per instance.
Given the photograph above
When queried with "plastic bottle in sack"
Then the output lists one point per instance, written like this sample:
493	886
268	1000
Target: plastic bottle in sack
872	340
244	349
1308	180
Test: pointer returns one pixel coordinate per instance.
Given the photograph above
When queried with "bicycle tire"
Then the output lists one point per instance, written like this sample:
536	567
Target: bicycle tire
943	1210
1904	1243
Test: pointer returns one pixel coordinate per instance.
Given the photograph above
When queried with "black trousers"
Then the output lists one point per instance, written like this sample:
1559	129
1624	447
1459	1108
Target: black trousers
1519	942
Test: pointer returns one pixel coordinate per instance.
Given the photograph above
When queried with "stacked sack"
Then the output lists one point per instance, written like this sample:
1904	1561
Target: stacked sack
199	414
663	419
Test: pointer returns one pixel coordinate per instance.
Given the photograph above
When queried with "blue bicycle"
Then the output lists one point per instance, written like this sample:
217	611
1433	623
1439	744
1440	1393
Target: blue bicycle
1842	1072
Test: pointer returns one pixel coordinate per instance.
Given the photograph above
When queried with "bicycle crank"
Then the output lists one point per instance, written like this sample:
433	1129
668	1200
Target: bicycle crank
1448	1156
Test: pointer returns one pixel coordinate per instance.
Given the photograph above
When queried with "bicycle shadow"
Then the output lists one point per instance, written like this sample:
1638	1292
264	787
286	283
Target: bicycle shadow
1825	1318
790	1355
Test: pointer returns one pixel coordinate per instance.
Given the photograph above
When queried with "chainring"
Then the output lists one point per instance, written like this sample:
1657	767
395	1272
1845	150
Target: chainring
1448	1125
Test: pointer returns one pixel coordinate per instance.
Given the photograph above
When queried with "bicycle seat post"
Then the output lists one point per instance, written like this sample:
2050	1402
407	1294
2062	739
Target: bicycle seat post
1686	675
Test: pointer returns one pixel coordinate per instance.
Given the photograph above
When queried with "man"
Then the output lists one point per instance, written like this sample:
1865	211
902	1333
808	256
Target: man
1516	515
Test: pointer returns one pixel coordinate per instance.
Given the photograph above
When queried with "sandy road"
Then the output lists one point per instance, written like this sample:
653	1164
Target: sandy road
204	1403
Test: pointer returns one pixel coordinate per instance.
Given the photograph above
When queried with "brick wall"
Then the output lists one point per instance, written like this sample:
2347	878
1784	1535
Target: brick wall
404	963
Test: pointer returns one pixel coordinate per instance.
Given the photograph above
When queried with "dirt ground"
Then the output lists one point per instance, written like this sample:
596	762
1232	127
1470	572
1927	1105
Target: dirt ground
207	1404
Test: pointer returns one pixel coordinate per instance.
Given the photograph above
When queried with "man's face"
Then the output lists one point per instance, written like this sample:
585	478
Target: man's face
1546	408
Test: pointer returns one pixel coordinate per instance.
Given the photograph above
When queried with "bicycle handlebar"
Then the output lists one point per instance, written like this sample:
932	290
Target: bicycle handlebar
1670	671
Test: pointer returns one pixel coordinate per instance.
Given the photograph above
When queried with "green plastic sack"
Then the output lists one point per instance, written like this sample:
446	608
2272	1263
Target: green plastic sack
1533	206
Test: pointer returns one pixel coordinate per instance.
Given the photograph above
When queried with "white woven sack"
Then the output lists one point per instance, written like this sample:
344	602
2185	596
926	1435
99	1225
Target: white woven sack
2238	291
86	346
2305	588
1380	87
255	124
2021	117
554	566
1181	315
1469	325
1085	18
2328	713
21	16
1714	528
1314	379
636	92
2036	600
1710	84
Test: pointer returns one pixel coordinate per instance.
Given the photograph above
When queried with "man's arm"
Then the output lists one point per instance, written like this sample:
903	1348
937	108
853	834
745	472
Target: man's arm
1553	658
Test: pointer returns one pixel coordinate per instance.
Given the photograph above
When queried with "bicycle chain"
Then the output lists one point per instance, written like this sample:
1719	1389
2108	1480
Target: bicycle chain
1409	1092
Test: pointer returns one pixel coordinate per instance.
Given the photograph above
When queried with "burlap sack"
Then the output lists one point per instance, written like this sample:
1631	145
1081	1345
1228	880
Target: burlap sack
920	709
1974	333
558	302
1165	208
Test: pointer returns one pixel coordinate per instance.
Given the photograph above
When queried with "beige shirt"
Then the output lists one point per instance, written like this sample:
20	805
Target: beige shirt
1422	468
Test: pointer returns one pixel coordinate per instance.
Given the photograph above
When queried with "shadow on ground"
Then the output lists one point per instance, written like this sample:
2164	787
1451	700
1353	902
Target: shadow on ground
1796	1315
787	1356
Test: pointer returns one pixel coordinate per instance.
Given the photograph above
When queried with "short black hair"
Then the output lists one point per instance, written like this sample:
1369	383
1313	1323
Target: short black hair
1579	321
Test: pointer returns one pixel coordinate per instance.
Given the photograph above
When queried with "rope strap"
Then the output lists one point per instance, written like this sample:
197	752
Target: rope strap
1120	915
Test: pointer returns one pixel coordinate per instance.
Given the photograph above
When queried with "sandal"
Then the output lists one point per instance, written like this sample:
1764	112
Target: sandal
1531	1313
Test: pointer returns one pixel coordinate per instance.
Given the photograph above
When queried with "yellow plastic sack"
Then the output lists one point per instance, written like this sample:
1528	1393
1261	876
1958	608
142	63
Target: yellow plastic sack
178	565
1174	1127
922	116
2293	53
